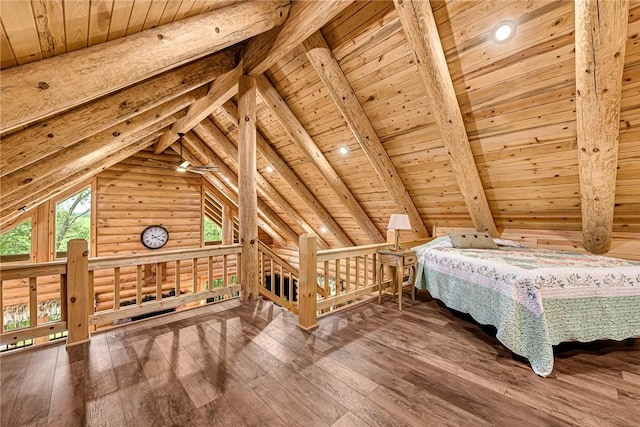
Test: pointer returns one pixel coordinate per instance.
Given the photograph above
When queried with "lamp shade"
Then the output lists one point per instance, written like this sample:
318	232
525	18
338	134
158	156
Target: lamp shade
399	222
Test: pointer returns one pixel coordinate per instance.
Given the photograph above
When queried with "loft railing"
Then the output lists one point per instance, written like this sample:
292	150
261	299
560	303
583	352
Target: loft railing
346	276
100	291
278	279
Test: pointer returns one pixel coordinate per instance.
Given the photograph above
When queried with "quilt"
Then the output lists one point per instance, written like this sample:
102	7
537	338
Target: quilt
535	298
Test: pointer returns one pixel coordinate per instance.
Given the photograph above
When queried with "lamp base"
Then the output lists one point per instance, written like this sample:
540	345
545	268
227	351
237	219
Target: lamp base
396	246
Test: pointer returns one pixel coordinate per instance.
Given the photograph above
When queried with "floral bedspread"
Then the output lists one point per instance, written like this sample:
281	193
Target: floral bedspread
535	298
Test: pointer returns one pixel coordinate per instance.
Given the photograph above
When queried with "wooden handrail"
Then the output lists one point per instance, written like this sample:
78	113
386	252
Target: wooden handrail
24	271
127	260
353	251
278	259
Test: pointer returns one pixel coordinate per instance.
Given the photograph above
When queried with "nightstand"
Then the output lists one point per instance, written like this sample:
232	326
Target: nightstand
398	262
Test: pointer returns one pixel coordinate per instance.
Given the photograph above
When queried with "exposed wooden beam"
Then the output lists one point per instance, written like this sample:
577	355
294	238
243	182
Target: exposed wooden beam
12	210
304	18
83	154
271	219
333	78
18	187
211	132
601	31
303	140
422	35
230	110
247	188
40	89
226	190
220	91
45	138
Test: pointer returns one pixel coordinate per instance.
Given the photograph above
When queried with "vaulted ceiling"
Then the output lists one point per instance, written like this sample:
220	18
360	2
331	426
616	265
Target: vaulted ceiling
438	119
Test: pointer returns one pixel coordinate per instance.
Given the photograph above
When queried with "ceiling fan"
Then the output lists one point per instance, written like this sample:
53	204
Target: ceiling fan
184	165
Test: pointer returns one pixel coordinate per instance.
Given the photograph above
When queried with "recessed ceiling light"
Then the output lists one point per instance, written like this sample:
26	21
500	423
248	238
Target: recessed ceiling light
269	169
504	31
323	229
343	150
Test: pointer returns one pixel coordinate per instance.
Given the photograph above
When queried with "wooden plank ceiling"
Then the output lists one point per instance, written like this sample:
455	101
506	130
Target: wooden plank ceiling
487	137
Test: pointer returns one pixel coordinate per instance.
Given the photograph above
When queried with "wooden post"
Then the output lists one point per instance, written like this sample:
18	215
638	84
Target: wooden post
77	289
601	36
247	187
307	314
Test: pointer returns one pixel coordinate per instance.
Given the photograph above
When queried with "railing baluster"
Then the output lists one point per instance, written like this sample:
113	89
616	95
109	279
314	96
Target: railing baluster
327	288
338	290
225	277
33	302
357	271
194	275
92	294
347	274
366	270
210	272
177	277
158	281
116	289
63	297
139	284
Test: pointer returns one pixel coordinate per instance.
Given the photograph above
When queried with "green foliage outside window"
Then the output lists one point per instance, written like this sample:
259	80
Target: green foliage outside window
212	232
16	241
73	219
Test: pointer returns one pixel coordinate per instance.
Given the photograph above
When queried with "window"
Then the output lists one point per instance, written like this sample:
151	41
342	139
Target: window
73	220
212	231
15	244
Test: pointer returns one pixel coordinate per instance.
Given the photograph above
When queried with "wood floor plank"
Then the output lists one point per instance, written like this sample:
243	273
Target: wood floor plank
285	403
187	370
349	420
321	404
371	413
250	407
250	365
219	413
33	399
106	410
175	405
68	396
12	371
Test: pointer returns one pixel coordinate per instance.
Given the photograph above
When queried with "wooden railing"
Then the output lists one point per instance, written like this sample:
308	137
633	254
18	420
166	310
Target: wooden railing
345	275
158	282
24	279
278	279
178	279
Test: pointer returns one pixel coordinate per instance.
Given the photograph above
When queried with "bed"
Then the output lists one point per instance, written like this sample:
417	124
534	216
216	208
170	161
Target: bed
535	298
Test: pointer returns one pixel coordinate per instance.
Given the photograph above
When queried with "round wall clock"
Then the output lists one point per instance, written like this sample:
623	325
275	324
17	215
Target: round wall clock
154	236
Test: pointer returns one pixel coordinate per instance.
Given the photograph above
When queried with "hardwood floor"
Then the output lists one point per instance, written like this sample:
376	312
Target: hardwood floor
232	365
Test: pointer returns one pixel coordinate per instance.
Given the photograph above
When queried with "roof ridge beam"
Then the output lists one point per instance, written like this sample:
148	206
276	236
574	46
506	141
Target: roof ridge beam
303	140
601	31
321	58
40	89
221	90
422	36
230	110
304	18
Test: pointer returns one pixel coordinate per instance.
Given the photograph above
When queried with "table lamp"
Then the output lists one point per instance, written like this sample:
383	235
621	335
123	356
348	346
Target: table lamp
398	222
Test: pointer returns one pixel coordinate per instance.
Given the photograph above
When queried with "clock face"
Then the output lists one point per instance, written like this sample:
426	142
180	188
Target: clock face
154	236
